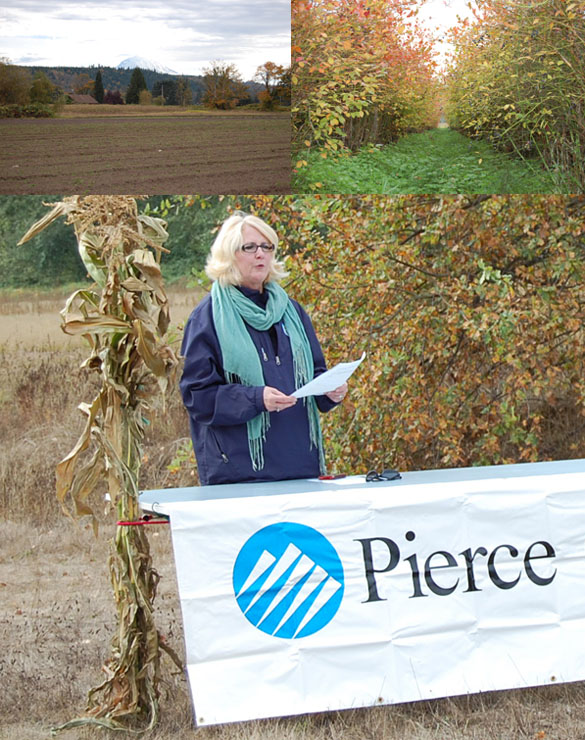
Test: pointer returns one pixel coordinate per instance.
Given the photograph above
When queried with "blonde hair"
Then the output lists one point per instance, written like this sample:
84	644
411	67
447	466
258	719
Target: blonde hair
221	263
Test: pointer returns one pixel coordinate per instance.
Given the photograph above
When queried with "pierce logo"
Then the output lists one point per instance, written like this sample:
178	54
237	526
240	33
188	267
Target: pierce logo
288	580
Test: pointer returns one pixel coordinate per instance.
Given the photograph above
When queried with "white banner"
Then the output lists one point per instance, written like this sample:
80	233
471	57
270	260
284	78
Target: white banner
368	594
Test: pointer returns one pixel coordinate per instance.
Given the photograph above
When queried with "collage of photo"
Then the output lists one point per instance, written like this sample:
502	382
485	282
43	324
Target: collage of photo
292	379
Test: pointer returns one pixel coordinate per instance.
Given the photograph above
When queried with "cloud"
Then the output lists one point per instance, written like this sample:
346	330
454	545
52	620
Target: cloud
181	34
31	59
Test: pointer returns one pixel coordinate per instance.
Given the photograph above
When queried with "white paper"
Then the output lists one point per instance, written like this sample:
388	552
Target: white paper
329	380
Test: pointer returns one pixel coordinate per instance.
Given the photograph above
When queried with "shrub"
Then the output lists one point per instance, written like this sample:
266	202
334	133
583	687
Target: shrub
471	311
113	97
519	81
145	97
32	110
267	101
361	73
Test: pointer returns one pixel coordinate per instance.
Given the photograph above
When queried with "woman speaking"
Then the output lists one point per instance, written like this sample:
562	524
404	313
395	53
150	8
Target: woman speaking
247	348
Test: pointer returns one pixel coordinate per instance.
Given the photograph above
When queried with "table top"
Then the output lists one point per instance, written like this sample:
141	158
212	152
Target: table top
156	500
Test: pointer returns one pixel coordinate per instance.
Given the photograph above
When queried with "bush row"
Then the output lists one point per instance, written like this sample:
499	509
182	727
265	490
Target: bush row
360	74
519	81
32	110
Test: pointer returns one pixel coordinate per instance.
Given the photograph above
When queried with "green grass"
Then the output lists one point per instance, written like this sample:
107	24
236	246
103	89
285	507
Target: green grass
436	161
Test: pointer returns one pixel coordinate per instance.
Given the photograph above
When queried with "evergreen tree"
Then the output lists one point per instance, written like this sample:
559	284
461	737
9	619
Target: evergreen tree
98	88
137	83
168	90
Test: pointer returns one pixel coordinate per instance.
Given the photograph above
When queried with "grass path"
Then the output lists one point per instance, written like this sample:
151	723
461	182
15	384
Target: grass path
436	161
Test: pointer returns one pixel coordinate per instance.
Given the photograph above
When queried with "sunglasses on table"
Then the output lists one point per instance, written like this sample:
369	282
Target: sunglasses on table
373	475
253	248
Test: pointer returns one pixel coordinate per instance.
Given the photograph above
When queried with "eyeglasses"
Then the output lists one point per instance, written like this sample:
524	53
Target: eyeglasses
253	248
374	476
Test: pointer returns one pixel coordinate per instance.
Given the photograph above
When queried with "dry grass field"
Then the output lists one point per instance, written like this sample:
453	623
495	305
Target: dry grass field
152	152
78	110
56	610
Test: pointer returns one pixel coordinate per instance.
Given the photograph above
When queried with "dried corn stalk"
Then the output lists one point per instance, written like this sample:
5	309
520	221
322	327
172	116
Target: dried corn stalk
123	317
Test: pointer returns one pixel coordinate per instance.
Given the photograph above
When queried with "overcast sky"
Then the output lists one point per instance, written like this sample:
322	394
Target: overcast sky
438	16
184	35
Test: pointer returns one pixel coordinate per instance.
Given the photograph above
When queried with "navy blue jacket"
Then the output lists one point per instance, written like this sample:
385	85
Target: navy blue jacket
218	411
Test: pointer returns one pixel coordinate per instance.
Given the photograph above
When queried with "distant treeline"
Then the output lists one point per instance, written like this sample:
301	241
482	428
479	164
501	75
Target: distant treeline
51	258
47	89
70	78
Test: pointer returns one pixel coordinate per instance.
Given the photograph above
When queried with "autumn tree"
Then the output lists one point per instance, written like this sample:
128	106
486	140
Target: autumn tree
98	87
145	97
270	75
137	83
15	83
42	89
283	90
470	309
224	87
83	84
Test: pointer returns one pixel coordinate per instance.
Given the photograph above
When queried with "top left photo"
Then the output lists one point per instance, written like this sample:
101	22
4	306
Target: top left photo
117	97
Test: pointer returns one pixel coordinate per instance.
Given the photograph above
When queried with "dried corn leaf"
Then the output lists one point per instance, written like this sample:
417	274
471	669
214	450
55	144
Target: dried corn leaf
150	270
60	209
154	229
95	324
84	300
90	247
135	285
148	350
66	468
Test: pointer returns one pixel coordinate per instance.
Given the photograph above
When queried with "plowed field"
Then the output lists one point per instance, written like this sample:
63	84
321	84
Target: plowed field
188	154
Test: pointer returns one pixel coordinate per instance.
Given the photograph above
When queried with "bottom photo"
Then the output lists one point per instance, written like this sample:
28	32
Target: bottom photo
292	466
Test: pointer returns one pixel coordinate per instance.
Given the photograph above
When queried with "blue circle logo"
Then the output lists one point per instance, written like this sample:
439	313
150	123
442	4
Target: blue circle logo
288	580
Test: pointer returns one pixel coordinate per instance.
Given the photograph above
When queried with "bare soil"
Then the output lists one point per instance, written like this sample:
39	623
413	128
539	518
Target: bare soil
199	153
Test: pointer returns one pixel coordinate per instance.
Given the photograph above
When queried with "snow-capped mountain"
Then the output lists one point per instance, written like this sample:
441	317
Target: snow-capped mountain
143	63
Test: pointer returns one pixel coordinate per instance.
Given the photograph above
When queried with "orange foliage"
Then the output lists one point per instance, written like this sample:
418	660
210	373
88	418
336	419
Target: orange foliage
362	72
471	311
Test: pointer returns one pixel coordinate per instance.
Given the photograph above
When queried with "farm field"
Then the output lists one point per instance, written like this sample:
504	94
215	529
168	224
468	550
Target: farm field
31	319
79	110
56	607
210	154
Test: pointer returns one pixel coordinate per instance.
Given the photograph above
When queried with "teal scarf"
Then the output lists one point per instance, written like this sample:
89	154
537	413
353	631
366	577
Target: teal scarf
242	364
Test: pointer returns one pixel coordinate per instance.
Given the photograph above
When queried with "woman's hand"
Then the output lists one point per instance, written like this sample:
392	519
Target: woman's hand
274	400
338	394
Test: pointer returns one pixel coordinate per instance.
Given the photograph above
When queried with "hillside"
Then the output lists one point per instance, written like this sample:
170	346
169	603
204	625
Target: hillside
119	79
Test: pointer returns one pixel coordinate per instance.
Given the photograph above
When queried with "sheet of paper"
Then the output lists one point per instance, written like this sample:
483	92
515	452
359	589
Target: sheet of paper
329	380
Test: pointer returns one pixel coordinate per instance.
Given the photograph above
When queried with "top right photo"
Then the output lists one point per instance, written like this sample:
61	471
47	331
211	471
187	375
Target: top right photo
438	96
